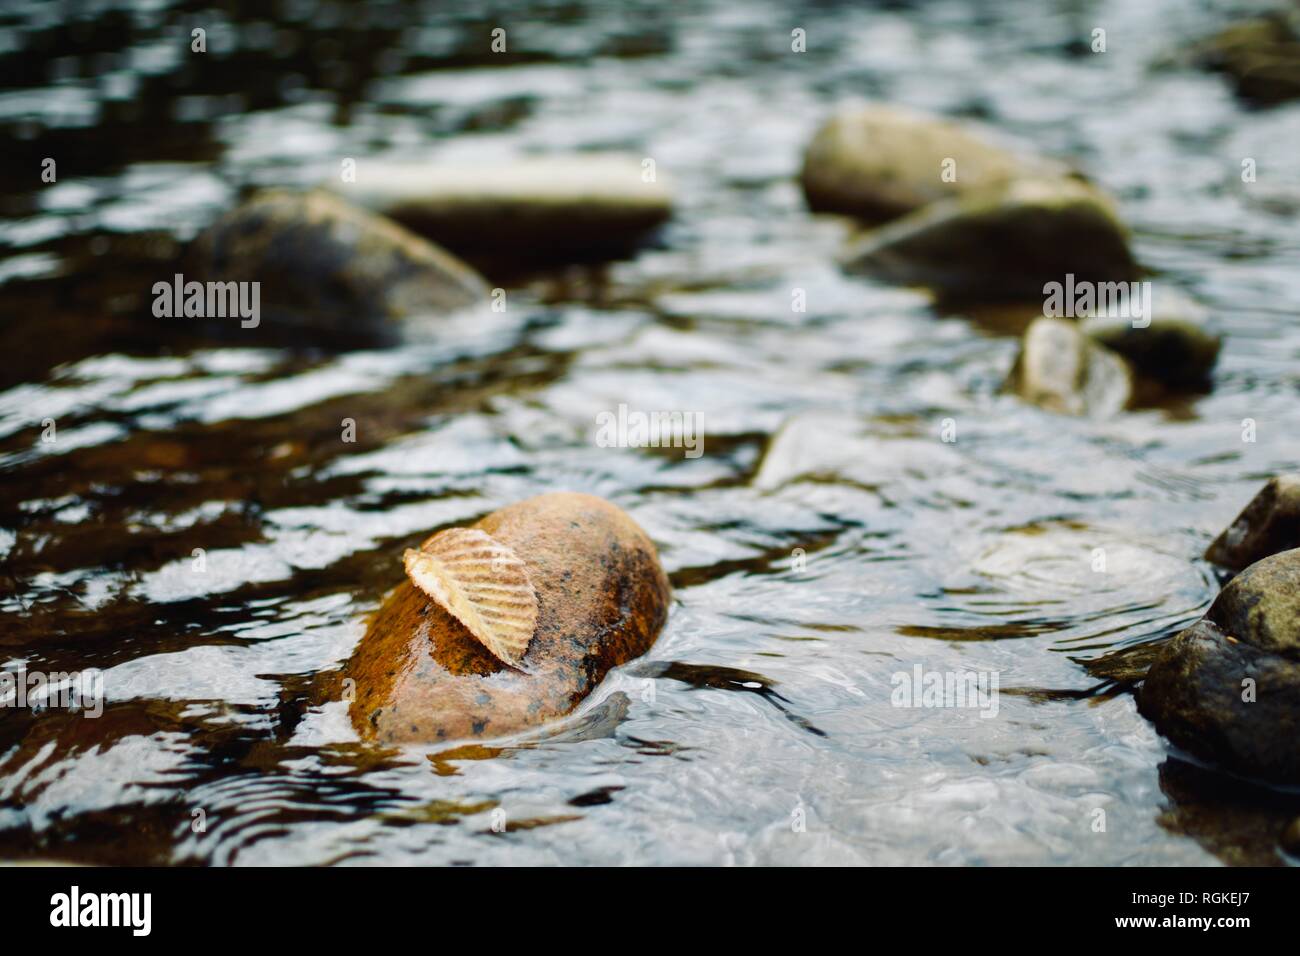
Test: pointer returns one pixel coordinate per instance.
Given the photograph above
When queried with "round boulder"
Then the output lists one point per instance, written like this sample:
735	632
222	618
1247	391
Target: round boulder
1172	344
422	676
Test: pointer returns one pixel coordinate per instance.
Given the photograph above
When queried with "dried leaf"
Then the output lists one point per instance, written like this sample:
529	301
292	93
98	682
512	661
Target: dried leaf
483	584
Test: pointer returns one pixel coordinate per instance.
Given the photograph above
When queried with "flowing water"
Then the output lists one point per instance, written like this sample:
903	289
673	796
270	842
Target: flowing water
826	540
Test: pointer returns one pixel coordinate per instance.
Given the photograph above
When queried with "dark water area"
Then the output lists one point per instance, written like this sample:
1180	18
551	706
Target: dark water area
825	540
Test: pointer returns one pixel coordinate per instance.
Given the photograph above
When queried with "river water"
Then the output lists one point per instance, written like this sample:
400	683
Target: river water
825	541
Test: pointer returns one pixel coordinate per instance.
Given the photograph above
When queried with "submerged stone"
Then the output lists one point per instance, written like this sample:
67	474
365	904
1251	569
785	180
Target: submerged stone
1062	370
1227	689
834	446
421	676
1268	524
332	271
878	162
583	206
1003	243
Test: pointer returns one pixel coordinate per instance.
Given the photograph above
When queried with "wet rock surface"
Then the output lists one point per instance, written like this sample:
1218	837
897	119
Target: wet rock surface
1062	370
169	442
332	271
878	162
1268	524
1173	345
1227	689
420	676
1261	606
548	208
1002	243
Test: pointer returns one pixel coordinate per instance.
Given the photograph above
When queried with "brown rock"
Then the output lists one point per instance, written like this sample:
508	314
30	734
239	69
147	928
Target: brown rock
1269	524
420	676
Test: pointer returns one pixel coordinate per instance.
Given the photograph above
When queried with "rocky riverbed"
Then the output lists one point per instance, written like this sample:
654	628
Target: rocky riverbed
482	274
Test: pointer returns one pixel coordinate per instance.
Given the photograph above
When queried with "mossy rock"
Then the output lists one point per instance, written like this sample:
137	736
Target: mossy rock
1227	689
332	271
1002	244
1261	606
422	677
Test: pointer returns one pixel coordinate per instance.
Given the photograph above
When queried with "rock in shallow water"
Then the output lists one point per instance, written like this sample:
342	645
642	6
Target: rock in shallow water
585	206
333	271
421	676
1261	56
821	446
1174	346
1003	243
1269	524
1227	689
1062	370
878	162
